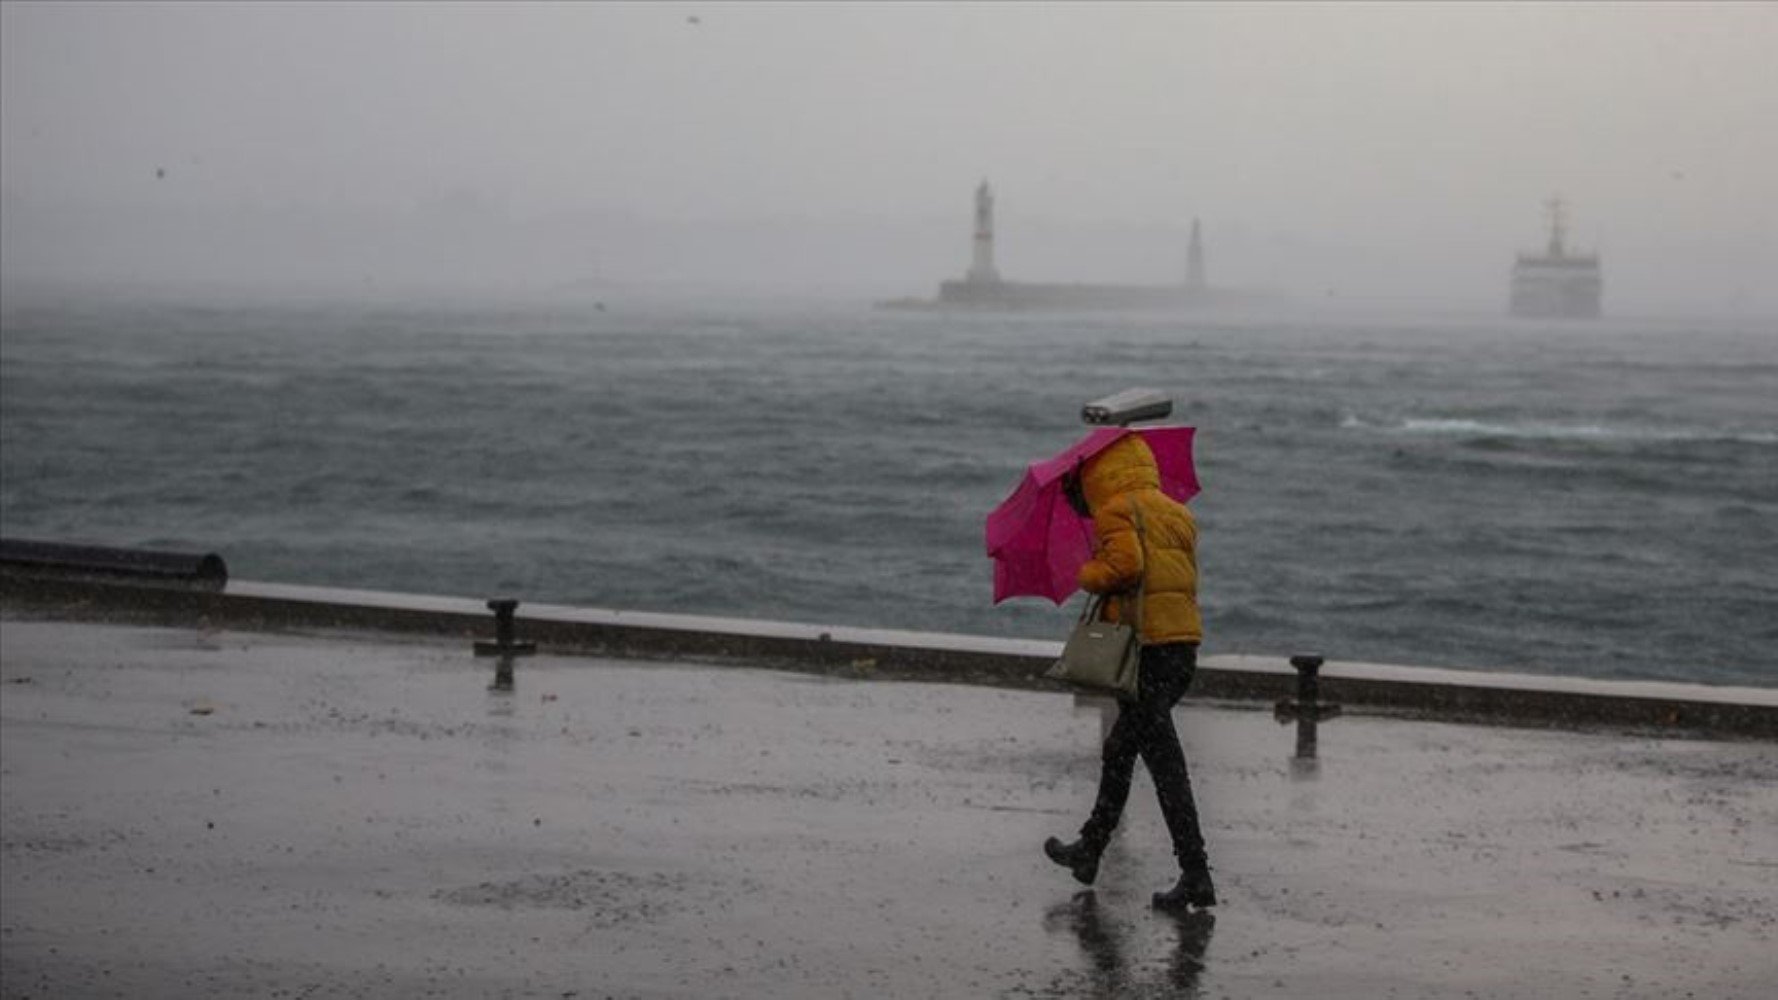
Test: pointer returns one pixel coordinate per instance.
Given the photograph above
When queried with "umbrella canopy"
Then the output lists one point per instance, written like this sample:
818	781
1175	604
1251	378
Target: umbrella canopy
1037	541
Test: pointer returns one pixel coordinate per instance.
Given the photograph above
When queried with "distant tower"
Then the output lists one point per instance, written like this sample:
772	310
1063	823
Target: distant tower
981	267
1194	260
1558	227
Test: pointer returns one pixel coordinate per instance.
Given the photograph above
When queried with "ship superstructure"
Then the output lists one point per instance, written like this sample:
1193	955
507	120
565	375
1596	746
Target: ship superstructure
1557	283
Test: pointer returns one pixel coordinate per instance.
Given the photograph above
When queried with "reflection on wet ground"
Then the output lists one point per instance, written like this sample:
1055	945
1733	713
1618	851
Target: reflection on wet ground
221	814
1109	968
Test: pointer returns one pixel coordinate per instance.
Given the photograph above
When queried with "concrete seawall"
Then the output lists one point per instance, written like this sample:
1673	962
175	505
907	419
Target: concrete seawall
1502	699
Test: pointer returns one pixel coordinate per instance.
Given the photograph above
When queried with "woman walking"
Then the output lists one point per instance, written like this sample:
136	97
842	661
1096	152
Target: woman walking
1143	537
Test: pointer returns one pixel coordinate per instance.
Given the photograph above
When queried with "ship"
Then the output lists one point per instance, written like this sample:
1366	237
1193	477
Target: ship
1557	283
982	286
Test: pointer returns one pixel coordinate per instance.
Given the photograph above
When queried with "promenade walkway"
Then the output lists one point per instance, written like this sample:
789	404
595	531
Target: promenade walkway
194	813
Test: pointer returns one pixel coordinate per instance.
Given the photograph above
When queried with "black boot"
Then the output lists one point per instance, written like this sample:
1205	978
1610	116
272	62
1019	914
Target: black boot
1193	890
1079	857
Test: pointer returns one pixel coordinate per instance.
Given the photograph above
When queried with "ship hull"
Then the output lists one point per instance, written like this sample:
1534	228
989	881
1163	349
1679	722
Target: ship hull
1559	291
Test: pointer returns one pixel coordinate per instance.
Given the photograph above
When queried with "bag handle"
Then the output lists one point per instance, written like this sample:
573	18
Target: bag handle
1090	611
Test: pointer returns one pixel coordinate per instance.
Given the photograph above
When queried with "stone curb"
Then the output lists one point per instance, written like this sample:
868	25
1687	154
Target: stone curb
1500	699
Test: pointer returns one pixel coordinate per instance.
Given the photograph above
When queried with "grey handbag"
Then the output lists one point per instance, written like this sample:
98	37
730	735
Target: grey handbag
1105	657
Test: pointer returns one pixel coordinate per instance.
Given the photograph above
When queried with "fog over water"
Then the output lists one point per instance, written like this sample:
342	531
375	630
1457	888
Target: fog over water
1386	154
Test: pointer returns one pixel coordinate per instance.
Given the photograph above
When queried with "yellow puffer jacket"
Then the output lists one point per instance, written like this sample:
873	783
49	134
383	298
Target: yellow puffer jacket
1117	482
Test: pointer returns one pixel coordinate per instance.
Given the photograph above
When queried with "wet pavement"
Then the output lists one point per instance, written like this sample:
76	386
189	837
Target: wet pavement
196	813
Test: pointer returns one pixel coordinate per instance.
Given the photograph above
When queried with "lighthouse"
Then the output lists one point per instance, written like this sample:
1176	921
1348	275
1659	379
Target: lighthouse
982	287
981	267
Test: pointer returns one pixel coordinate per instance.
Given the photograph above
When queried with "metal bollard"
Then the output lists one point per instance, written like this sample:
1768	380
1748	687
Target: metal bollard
504	645
1308	678
1307	709
502	675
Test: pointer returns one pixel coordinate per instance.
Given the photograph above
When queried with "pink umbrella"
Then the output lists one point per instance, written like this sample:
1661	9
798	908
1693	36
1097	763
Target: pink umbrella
1037	541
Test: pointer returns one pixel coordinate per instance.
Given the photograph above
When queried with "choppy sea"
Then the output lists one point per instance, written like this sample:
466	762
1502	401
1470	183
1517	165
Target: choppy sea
1578	499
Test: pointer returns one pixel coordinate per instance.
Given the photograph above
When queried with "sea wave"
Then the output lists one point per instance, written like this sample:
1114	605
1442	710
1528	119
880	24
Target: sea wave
1468	427
1489	502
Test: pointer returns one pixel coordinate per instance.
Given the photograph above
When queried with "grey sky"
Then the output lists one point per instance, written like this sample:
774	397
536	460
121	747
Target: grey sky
1370	151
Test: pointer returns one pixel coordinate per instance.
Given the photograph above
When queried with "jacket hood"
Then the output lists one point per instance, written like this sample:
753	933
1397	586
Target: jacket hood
1123	467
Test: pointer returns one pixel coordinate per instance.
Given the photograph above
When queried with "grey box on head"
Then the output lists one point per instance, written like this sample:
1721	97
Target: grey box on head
1127	407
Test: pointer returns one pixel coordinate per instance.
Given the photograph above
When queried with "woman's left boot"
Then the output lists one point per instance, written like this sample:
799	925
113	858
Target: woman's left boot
1194	889
1079	857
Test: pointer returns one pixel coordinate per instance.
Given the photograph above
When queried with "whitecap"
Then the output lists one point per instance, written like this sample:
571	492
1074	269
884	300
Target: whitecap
1555	431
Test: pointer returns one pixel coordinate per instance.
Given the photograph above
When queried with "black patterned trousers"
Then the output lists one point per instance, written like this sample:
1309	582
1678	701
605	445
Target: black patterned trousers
1144	728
